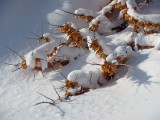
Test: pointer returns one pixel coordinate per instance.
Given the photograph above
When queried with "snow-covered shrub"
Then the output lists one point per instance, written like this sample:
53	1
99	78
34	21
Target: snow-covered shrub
58	51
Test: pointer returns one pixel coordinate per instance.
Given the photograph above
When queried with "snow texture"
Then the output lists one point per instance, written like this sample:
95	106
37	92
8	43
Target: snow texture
131	95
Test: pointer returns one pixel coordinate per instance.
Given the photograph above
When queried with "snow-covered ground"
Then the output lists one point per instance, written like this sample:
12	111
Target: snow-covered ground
19	19
132	95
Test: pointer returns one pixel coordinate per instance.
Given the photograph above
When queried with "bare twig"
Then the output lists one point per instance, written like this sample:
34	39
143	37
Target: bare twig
10	63
14	52
53	25
51	103
93	63
57	93
62	74
35	34
46	97
68	12
16	69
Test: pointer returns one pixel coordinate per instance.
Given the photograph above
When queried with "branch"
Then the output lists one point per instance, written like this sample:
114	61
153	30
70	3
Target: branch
51	103
57	93
62	74
15	52
68	12
93	63
46	96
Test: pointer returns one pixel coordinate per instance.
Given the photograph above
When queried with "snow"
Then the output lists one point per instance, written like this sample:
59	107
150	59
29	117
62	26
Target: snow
141	17
71	52
72	5
14	15
41	52
152	17
108	8
122	1
120	16
121	51
111	57
88	80
85	12
120	98
149	40
104	26
131	95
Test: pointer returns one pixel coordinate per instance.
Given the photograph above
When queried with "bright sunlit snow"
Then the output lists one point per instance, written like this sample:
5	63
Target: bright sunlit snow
131	94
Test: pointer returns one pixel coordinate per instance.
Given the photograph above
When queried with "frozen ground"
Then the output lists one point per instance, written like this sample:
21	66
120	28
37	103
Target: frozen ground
133	94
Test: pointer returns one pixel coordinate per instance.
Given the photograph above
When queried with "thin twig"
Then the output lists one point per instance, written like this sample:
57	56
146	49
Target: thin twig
16	69
68	12
57	93
93	63
62	74
53	25
46	97
9	63
51	103
35	34
15	52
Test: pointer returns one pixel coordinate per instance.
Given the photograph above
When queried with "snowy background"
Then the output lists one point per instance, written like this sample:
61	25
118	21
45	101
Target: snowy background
134	94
